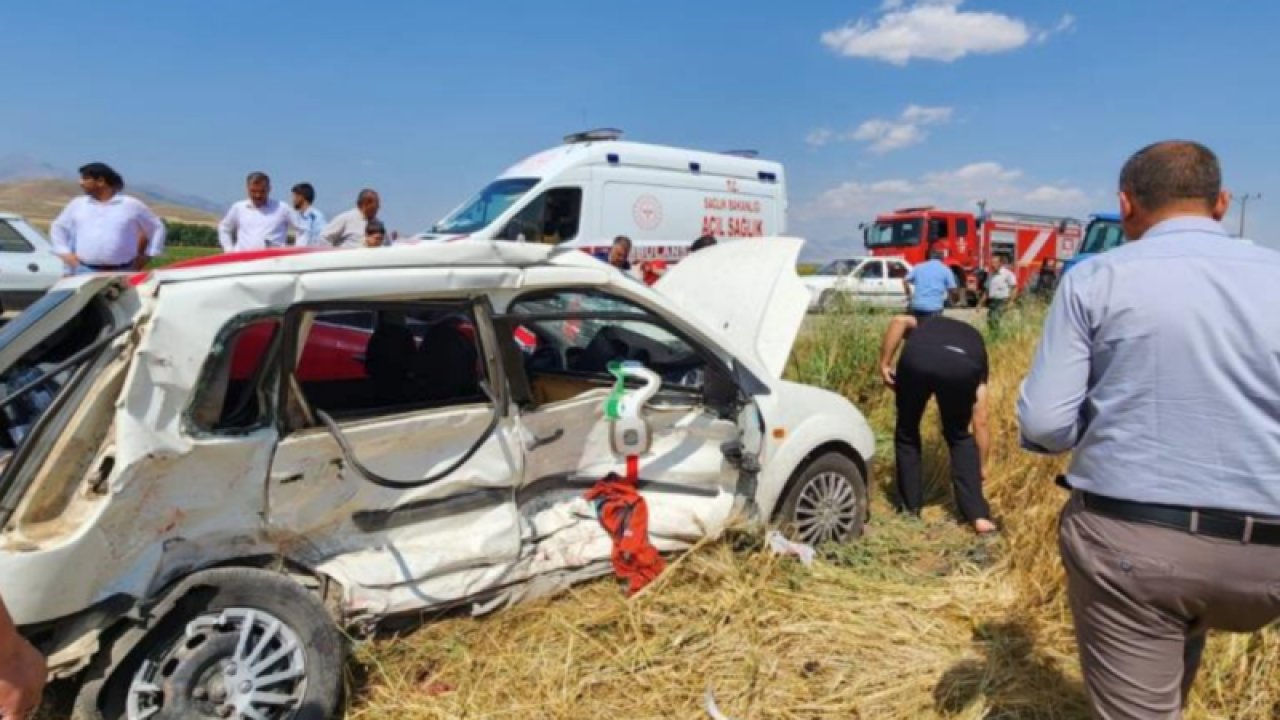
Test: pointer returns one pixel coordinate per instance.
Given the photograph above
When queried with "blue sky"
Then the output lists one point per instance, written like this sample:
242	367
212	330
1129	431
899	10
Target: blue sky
870	105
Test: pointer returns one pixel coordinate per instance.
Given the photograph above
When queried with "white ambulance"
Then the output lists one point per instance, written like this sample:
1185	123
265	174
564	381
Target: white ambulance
595	187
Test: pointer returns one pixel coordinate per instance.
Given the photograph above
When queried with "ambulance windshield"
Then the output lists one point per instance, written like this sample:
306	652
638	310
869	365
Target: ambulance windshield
481	210
896	233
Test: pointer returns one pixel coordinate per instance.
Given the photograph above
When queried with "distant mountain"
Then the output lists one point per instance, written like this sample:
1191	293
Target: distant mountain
20	166
40	201
16	167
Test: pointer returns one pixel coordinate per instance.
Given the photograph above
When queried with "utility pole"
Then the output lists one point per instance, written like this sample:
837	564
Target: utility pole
1244	205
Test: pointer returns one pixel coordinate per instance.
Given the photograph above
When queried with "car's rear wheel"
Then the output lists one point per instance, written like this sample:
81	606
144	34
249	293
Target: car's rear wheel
826	502
257	646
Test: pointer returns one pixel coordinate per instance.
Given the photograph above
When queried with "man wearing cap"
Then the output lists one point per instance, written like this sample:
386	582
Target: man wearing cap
105	230
1159	367
256	223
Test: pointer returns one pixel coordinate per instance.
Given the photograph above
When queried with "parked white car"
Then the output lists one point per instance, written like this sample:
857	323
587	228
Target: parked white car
28	266
208	473
858	280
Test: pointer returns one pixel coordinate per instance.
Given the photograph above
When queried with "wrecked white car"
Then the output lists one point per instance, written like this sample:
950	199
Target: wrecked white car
209	471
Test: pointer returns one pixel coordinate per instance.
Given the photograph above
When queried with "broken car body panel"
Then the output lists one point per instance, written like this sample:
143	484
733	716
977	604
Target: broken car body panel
176	455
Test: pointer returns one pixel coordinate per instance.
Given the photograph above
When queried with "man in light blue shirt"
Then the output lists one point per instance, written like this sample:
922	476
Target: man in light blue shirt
928	285
307	221
1160	366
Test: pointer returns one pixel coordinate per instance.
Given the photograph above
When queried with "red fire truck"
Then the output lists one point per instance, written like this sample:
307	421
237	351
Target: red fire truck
969	242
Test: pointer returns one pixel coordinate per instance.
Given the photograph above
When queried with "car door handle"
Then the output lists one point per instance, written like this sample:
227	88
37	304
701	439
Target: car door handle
536	442
33	267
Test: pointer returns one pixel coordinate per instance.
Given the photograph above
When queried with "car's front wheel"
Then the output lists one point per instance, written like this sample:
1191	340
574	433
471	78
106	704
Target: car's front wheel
257	645
825	502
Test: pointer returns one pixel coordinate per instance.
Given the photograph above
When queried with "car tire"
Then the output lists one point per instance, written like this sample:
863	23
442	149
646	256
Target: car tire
825	502
833	302
196	659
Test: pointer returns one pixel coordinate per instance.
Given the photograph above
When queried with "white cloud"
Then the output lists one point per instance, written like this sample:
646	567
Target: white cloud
831	219
884	136
934	30
818	138
960	188
1066	23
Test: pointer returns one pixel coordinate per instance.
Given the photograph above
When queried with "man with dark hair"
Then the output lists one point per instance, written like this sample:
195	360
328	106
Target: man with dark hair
348	229
106	230
375	234
308	222
928	286
256	223
1157	365
620	253
704	241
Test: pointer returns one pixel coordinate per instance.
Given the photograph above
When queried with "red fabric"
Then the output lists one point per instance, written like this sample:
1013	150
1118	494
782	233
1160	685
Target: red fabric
624	515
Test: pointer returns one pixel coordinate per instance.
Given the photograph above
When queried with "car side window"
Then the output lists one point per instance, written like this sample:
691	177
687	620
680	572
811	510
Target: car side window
873	270
384	359
234	390
897	270
11	241
568	339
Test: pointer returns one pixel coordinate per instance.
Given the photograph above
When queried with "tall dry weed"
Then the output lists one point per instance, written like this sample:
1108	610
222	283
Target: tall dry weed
917	620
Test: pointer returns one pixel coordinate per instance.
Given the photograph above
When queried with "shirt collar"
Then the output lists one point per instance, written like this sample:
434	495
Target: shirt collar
114	200
1186	223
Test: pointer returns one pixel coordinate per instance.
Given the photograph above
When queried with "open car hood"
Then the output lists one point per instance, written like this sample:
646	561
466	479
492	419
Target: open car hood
749	291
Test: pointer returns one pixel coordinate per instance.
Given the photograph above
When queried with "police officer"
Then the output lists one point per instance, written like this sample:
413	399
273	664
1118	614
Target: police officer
943	358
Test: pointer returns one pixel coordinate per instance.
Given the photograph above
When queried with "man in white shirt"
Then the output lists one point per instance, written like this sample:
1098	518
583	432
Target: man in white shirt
308	222
256	223
1002	286
347	229
105	230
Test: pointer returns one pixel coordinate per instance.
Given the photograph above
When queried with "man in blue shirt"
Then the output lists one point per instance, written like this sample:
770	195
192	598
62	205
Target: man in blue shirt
1158	366
928	285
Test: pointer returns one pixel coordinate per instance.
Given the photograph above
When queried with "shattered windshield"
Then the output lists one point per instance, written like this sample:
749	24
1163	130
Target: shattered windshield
481	210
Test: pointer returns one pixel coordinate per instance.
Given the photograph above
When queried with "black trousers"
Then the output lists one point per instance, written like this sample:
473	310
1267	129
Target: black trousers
926	371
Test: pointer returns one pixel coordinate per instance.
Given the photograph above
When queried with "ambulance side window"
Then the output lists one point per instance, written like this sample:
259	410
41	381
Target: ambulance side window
561	215
551	218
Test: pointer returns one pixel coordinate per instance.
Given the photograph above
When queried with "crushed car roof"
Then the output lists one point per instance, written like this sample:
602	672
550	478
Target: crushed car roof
468	253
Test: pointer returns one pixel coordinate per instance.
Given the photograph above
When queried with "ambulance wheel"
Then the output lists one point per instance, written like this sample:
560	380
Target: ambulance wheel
825	502
243	643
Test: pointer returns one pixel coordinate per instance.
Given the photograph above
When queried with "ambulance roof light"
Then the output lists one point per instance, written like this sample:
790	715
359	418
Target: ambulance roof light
596	135
749	154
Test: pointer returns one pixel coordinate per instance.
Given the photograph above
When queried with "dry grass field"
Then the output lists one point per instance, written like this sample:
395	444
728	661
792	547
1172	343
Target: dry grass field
918	620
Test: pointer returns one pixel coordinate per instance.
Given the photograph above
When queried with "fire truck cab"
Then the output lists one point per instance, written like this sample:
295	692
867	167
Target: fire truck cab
969	242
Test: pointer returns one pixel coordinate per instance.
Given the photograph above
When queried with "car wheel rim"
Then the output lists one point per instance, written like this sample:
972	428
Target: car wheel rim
238	663
827	510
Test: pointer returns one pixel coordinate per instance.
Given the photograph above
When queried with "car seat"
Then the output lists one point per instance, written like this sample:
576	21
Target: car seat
445	365
389	360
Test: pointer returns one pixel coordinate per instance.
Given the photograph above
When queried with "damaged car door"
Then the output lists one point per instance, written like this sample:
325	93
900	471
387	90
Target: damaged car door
397	467
560	378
